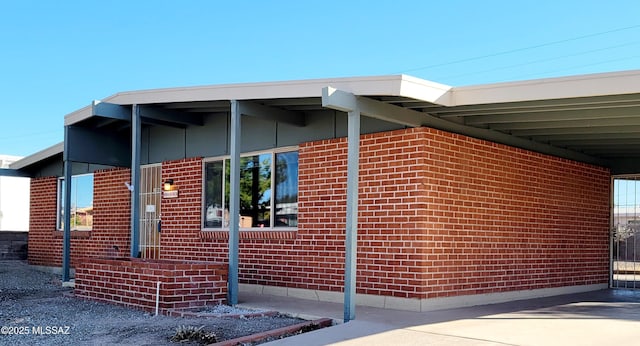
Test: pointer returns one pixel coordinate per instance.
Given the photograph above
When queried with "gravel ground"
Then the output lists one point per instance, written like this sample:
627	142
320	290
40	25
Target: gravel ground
34	310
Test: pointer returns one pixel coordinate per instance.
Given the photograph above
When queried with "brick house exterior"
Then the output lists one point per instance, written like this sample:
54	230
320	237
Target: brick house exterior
112	206
441	216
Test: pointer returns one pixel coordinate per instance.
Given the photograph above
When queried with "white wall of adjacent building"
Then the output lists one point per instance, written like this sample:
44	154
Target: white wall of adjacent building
14	199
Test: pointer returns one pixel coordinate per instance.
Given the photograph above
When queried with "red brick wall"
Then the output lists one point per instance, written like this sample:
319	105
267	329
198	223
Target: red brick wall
43	248
502	219
181	216
441	215
133	282
111	225
112	214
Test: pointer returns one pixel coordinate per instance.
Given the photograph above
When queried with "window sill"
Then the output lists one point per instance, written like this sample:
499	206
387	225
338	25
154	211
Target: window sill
74	234
252	233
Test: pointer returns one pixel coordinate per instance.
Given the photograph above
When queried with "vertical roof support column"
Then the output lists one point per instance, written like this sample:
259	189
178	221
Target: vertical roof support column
347	102
66	235
135	180
234	203
351	241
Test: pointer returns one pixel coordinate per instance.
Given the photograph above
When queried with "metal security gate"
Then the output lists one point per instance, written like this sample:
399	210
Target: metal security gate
150	199
625	235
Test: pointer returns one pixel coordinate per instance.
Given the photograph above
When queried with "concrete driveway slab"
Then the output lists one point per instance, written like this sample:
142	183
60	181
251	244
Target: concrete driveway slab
604	317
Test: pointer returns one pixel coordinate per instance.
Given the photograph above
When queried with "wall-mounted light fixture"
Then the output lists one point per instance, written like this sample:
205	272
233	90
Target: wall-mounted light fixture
169	189
168	185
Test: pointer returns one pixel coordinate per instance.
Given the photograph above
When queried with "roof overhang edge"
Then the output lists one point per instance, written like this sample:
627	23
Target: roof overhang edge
39	156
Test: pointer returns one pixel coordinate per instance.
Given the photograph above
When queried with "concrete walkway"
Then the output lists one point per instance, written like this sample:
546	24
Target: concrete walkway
607	317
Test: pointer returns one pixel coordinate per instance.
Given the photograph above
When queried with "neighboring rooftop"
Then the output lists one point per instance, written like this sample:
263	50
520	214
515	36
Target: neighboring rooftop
6	160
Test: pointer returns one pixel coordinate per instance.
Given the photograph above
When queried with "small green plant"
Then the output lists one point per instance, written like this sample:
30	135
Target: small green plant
193	333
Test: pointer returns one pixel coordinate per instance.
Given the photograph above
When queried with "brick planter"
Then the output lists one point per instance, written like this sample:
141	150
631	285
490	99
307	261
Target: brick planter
133	283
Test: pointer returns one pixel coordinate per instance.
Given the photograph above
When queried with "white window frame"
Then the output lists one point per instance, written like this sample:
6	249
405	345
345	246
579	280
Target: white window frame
223	158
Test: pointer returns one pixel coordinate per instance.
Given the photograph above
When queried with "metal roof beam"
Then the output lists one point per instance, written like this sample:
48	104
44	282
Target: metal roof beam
111	110
152	121
609	101
589	143
585	137
271	113
611	151
575	131
104	122
150	114
287	102
197	104
208	110
8	172
629	112
586	123
343	101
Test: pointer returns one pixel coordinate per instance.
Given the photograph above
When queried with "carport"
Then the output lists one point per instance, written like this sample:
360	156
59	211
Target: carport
593	119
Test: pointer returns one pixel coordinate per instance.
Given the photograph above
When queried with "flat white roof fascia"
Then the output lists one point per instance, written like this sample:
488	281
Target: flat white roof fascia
79	115
379	85
39	156
611	83
589	85
421	89
392	85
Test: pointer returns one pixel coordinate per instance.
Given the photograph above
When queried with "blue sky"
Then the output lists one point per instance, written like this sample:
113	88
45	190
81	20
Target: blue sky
58	56
626	195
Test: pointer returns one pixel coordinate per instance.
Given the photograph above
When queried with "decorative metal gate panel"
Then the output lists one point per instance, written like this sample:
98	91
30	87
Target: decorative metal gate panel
626	232
150	199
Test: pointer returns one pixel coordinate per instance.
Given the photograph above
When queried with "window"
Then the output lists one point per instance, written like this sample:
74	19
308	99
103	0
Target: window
268	191
81	202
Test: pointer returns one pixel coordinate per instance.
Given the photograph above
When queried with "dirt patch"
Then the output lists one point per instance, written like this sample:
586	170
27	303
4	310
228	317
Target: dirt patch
36	310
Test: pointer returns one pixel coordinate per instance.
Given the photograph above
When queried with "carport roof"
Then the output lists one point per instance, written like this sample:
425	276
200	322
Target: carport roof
591	118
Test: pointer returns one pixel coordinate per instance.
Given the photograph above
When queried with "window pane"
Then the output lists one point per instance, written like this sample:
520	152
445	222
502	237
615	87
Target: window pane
81	202
255	191
286	190
214	208
257	195
61	204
